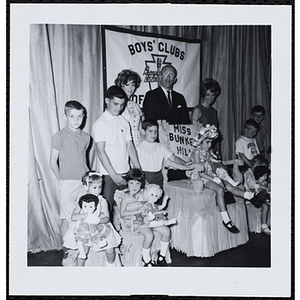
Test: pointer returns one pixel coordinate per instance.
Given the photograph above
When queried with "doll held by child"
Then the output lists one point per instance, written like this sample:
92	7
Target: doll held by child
154	216
91	226
131	207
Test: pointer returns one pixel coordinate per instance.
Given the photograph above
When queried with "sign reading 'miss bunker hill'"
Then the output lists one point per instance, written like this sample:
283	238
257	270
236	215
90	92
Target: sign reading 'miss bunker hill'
178	138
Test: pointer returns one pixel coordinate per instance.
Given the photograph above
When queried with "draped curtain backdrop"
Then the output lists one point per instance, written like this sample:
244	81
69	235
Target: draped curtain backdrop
66	64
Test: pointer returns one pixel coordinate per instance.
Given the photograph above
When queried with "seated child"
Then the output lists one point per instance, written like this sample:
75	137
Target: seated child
246	146
258	114
259	183
93	217
262	174
130	208
202	154
152	154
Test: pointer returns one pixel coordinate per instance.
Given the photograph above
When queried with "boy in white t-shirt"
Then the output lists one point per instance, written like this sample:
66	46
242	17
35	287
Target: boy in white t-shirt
111	133
246	146
152	154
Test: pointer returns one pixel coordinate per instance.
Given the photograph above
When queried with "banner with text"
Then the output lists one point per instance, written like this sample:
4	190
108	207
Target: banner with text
146	54
178	138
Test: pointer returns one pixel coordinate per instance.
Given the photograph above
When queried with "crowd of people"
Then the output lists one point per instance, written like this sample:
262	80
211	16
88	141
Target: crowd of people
131	159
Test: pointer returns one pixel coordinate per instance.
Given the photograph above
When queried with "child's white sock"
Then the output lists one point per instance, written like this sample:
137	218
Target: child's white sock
146	255
163	248
225	216
248	195
110	264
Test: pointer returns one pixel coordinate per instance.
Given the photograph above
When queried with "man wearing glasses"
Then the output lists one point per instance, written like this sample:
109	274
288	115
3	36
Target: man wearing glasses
163	103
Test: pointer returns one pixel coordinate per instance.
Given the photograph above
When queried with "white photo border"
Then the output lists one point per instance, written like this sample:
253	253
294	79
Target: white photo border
259	282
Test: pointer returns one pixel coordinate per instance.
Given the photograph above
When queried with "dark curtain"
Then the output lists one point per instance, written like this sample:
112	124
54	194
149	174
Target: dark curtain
66	63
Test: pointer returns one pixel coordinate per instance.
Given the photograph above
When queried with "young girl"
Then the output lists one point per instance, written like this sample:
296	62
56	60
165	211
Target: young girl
256	180
136	181
88	212
202	154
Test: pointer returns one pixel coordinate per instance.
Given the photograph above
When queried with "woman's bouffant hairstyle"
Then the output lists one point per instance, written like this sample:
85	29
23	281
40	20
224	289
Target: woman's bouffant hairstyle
137	175
210	84
88	198
127	75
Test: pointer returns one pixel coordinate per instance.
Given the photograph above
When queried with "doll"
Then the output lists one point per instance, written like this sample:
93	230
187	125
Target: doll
89	231
153	215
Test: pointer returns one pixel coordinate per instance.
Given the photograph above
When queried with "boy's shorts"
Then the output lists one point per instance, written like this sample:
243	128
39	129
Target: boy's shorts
68	195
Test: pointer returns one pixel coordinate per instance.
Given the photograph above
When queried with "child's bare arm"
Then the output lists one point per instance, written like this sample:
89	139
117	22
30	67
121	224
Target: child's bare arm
133	155
76	215
181	162
125	213
53	162
245	159
164	203
117	178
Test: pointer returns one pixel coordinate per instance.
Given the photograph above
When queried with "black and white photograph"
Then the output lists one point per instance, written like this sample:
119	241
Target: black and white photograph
146	144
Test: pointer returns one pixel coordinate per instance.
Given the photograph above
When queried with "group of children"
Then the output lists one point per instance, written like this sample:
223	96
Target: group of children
86	216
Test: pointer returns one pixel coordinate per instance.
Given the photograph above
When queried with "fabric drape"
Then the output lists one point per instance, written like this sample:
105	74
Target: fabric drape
66	64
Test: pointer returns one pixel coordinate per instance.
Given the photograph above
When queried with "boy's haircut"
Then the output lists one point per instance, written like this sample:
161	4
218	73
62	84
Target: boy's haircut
259	160
210	84
149	123
88	198
91	177
115	91
137	175
257	109
72	104
259	171
252	123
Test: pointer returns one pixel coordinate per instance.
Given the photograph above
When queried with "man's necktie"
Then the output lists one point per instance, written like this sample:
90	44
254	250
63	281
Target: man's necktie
169	98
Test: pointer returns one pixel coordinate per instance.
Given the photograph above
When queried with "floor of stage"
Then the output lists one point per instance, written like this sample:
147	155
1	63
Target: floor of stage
256	253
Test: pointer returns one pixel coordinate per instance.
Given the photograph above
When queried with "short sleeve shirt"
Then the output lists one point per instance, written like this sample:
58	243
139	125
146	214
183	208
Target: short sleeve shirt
152	155
72	148
115	132
247	146
250	183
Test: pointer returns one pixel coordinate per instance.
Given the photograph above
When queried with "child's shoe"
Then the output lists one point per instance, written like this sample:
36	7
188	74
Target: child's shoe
161	261
231	227
266	230
150	263
82	256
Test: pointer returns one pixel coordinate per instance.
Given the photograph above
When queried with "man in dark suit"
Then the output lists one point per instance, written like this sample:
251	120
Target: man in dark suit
158	105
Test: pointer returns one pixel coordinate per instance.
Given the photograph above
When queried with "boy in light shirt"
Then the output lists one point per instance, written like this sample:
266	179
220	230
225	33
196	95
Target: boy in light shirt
152	154
111	133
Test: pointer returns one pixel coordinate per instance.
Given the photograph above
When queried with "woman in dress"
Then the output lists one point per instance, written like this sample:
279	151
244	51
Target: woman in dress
204	112
130	81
